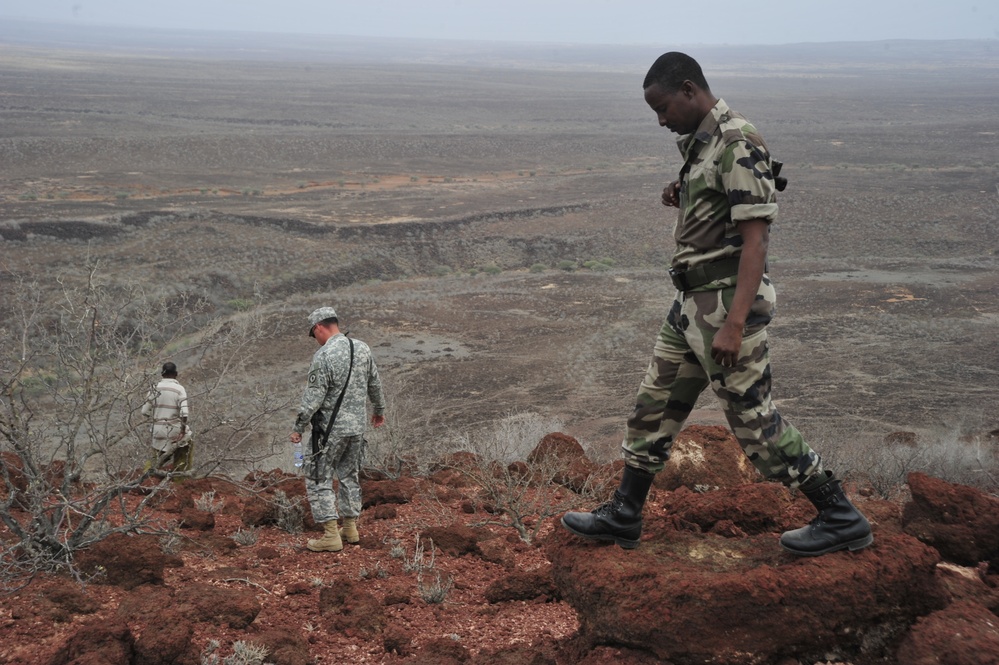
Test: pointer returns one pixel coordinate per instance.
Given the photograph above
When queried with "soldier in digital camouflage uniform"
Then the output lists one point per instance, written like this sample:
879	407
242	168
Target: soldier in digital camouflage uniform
343	452
715	334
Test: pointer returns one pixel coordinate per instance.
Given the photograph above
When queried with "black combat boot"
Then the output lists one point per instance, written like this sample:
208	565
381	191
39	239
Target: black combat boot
838	526
620	519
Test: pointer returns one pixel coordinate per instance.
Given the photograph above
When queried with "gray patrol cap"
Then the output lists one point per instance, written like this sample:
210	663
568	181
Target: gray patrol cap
320	315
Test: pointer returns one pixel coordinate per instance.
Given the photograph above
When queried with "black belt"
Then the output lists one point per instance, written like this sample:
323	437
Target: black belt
704	273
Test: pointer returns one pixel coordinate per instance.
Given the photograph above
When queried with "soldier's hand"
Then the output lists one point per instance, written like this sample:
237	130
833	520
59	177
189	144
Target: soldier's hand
377	421
726	345
296	437
671	194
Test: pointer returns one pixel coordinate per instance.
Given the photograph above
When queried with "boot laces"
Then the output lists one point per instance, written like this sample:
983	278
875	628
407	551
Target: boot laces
612	506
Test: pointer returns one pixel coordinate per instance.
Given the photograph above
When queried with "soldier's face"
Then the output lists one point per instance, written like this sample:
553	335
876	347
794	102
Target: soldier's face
675	110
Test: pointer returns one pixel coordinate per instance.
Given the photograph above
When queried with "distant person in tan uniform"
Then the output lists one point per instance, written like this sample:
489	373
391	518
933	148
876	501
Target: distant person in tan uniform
167	405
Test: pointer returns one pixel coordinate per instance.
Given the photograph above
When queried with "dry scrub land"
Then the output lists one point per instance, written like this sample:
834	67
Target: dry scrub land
431	192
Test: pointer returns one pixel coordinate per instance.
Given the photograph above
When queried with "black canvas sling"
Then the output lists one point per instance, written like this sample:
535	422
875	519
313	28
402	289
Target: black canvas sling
319	438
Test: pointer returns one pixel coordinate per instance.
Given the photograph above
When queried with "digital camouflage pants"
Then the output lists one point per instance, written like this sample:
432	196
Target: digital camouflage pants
342	458
682	367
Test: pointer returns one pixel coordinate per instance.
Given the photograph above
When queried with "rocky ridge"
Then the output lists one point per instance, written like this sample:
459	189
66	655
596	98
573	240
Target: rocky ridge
709	583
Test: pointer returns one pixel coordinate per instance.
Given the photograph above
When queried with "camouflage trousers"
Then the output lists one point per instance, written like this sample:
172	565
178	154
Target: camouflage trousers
682	367
342	458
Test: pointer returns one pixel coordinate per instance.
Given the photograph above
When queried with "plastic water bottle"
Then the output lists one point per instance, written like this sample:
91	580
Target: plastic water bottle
297	455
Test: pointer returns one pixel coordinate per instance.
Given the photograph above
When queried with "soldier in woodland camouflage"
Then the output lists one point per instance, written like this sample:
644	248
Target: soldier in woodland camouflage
336	448
715	334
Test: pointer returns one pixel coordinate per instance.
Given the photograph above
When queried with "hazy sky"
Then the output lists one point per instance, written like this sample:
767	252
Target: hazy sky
651	22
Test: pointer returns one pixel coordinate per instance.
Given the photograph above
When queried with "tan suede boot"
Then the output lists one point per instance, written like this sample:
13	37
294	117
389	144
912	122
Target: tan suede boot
330	542
349	531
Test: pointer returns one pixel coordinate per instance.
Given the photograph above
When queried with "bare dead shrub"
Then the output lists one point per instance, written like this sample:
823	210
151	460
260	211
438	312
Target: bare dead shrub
77	362
290	513
951	453
519	493
411	437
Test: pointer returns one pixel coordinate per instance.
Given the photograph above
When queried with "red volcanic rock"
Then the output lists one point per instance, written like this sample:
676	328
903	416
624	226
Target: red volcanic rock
542	652
455	470
126	561
441	651
15	474
264	507
751	509
351	609
521	585
689	597
377	492
618	656
284	646
385	511
557	445
199	520
145	603
456	539
236	608
396	639
496	550
98	642
706	458
562	454
68	599
167	640
965	633
959	521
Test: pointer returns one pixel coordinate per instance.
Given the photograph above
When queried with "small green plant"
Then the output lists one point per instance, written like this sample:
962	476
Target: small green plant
492	269
539	267
567	265
170	543
436	589
429	583
241	304
378	572
207	503
243	653
396	550
246	537
597	266
418	563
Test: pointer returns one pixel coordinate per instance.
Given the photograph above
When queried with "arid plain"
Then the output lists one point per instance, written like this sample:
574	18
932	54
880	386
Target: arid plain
458	204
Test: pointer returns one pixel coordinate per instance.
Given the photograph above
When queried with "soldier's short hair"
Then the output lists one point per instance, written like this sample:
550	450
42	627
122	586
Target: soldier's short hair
169	370
671	69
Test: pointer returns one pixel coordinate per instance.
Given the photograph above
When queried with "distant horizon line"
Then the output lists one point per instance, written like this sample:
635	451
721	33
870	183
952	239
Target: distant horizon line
63	23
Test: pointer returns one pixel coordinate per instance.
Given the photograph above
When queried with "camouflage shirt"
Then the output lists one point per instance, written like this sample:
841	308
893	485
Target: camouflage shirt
326	378
729	181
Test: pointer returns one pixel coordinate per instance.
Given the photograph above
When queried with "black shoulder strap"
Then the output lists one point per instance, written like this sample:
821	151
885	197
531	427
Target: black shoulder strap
316	446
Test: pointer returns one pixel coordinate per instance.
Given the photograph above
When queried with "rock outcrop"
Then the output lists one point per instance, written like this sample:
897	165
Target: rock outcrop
710	584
